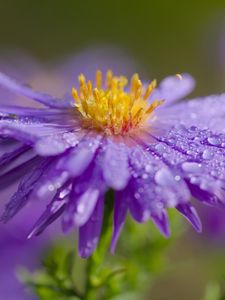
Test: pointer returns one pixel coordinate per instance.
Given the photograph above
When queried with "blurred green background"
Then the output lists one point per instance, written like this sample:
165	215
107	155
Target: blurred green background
164	37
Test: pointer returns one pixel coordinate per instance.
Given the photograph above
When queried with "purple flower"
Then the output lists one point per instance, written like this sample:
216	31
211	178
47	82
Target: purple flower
154	153
17	252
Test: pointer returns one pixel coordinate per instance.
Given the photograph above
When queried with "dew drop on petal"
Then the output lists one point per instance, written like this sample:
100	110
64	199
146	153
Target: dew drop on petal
207	154
164	177
148	168
192	167
213	141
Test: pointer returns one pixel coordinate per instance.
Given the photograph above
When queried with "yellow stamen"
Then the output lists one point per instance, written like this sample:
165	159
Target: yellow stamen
114	109
81	80
75	94
109	76
98	79
150	89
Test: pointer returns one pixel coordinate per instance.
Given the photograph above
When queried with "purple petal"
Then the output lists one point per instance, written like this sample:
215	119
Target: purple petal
153	186
54	144
29	130
174	88
198	157
190	213
115	165
162	222
76	161
120	212
207	112
7	158
26	186
7	110
52	212
26	91
83	207
17	169
51	181
89	233
87	189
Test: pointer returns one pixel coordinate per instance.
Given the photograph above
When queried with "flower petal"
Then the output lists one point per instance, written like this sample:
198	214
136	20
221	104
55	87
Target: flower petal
174	88
54	144
207	112
162	222
120	212
90	232
7	158
153	186
115	165
87	189
76	161
190	213
18	168
26	186
52	212
26	91
199	157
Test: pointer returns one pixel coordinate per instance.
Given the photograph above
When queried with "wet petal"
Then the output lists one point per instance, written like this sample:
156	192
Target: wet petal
8	157
89	233
26	186
190	213
115	165
54	144
153	186
79	158
162	222
53	211
87	189
120	211
198	156
207	112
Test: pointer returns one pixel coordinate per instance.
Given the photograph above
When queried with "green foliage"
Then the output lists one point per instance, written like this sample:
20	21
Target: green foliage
140	258
55	281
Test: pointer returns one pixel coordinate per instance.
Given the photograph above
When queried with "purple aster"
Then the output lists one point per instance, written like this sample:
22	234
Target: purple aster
135	139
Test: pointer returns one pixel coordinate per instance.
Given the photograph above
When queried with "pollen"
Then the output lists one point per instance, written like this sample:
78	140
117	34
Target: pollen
114	105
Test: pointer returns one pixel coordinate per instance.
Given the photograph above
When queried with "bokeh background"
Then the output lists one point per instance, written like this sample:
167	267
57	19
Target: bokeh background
161	37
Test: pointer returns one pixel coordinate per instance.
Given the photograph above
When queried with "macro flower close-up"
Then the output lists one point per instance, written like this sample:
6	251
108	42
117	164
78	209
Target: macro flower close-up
135	138
112	150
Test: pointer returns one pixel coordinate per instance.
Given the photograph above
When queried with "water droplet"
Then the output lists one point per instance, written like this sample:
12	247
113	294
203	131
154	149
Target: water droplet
160	147
140	190
207	154
214	173
177	178
172	141
194	180
192	167
213	141
51	187
80	208
145	176
164	177
137	196
148	168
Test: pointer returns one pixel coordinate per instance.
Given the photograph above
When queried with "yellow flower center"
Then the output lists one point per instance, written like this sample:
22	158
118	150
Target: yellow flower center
113	107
